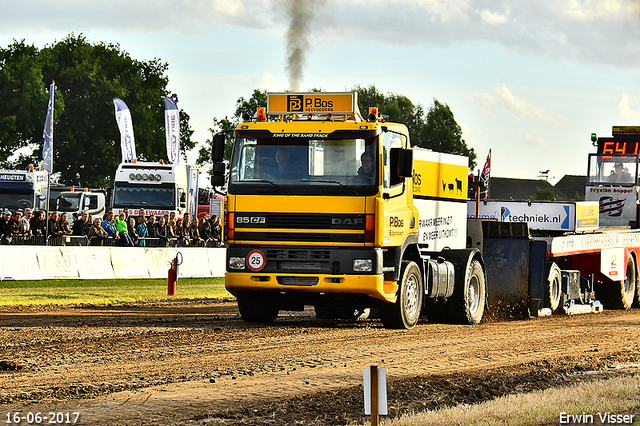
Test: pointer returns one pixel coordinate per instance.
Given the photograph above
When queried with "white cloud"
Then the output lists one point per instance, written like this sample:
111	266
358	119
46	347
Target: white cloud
629	107
523	108
601	32
535	140
486	101
494	18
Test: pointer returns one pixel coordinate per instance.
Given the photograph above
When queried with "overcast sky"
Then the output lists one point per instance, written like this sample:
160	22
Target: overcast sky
530	80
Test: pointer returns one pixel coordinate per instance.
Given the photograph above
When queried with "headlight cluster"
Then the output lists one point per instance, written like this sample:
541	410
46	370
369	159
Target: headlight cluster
362	265
236	263
144	176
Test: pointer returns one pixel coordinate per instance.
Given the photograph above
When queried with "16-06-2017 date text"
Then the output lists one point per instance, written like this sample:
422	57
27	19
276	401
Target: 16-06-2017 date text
48	418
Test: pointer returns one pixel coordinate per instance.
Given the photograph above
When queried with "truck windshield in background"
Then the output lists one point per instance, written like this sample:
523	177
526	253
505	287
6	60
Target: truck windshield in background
161	196
613	169
16	200
304	166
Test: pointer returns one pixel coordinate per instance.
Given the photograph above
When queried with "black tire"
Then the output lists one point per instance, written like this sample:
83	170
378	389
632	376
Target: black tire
257	307
466	306
405	312
620	294
342	313
436	311
325	312
553	289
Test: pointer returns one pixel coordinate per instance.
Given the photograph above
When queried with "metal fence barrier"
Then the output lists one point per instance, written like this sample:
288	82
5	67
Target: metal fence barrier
81	240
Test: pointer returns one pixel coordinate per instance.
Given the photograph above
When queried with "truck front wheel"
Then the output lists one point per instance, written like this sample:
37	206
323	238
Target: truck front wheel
257	307
469	296
405	312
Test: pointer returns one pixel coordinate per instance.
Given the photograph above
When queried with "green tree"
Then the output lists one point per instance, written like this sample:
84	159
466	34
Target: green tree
21	87
227	124
544	194
436	130
86	137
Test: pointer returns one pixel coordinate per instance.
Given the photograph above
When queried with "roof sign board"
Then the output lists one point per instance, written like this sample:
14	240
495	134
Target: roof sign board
626	130
311	103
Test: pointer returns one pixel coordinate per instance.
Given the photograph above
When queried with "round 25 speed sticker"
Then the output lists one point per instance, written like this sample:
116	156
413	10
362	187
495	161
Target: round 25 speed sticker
256	260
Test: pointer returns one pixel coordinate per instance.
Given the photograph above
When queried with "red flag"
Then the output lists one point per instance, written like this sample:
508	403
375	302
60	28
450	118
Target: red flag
486	174
486	170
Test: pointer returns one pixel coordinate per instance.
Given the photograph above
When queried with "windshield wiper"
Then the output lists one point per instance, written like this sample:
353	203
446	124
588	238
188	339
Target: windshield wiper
337	182
281	188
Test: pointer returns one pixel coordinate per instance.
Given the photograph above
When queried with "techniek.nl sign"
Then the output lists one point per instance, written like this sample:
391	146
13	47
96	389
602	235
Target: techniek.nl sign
539	216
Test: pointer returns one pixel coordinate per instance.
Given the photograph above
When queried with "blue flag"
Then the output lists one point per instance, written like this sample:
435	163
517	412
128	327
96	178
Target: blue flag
127	141
47	134
172	129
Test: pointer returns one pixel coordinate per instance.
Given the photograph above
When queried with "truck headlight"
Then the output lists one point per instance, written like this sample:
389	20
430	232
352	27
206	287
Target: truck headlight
236	262
362	265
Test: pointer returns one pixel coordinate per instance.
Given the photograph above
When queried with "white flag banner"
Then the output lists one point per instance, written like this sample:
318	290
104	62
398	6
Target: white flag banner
127	141
47	134
172	129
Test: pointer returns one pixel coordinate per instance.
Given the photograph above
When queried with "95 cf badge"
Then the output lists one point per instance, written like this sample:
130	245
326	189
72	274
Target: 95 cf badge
256	260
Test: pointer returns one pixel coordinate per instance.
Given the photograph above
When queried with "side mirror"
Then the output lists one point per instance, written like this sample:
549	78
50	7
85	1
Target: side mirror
405	163
217	150
217	179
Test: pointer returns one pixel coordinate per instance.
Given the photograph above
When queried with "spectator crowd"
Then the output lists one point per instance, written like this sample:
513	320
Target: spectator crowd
33	227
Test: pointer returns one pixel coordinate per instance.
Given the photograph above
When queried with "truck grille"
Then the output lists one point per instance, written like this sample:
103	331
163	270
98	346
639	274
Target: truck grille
273	227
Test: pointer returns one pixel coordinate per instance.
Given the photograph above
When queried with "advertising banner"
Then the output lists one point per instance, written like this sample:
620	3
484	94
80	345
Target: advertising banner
94	262
172	129
549	216
19	263
127	141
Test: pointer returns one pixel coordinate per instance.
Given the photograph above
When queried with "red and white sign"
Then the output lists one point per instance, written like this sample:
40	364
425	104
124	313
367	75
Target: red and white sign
256	260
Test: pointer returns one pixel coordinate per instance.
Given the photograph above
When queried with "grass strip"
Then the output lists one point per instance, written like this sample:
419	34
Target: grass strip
71	292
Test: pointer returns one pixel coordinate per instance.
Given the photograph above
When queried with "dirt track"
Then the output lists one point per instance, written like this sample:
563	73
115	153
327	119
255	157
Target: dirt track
198	363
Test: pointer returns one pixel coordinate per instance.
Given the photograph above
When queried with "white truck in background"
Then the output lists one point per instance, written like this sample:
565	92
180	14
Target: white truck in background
92	201
22	189
157	187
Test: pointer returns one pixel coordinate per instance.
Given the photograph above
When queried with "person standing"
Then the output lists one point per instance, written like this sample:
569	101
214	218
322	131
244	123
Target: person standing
109	225
25	222
142	230
122	231
162	232
97	235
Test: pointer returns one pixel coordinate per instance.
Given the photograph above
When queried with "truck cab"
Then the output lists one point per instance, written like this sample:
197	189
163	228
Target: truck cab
159	188
22	189
92	202
612	177
327	208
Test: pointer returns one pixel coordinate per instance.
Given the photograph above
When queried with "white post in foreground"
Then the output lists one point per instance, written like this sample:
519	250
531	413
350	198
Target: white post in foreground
375	392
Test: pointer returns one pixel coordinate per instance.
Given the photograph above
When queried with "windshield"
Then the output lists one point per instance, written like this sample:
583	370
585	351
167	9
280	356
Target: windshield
154	196
304	166
69	203
16	200
613	169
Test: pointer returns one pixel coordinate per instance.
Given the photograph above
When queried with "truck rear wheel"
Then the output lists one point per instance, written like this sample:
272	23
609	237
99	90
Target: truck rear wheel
620	294
405	312
469	296
553	291
257	307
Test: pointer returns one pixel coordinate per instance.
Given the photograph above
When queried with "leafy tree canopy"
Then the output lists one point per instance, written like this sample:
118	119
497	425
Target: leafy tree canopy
436	129
86	137
545	194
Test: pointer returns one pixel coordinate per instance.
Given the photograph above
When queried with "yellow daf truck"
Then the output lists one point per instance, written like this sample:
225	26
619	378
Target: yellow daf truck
333	209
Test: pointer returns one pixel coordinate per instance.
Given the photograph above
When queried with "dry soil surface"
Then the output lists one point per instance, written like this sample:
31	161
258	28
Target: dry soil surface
198	363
